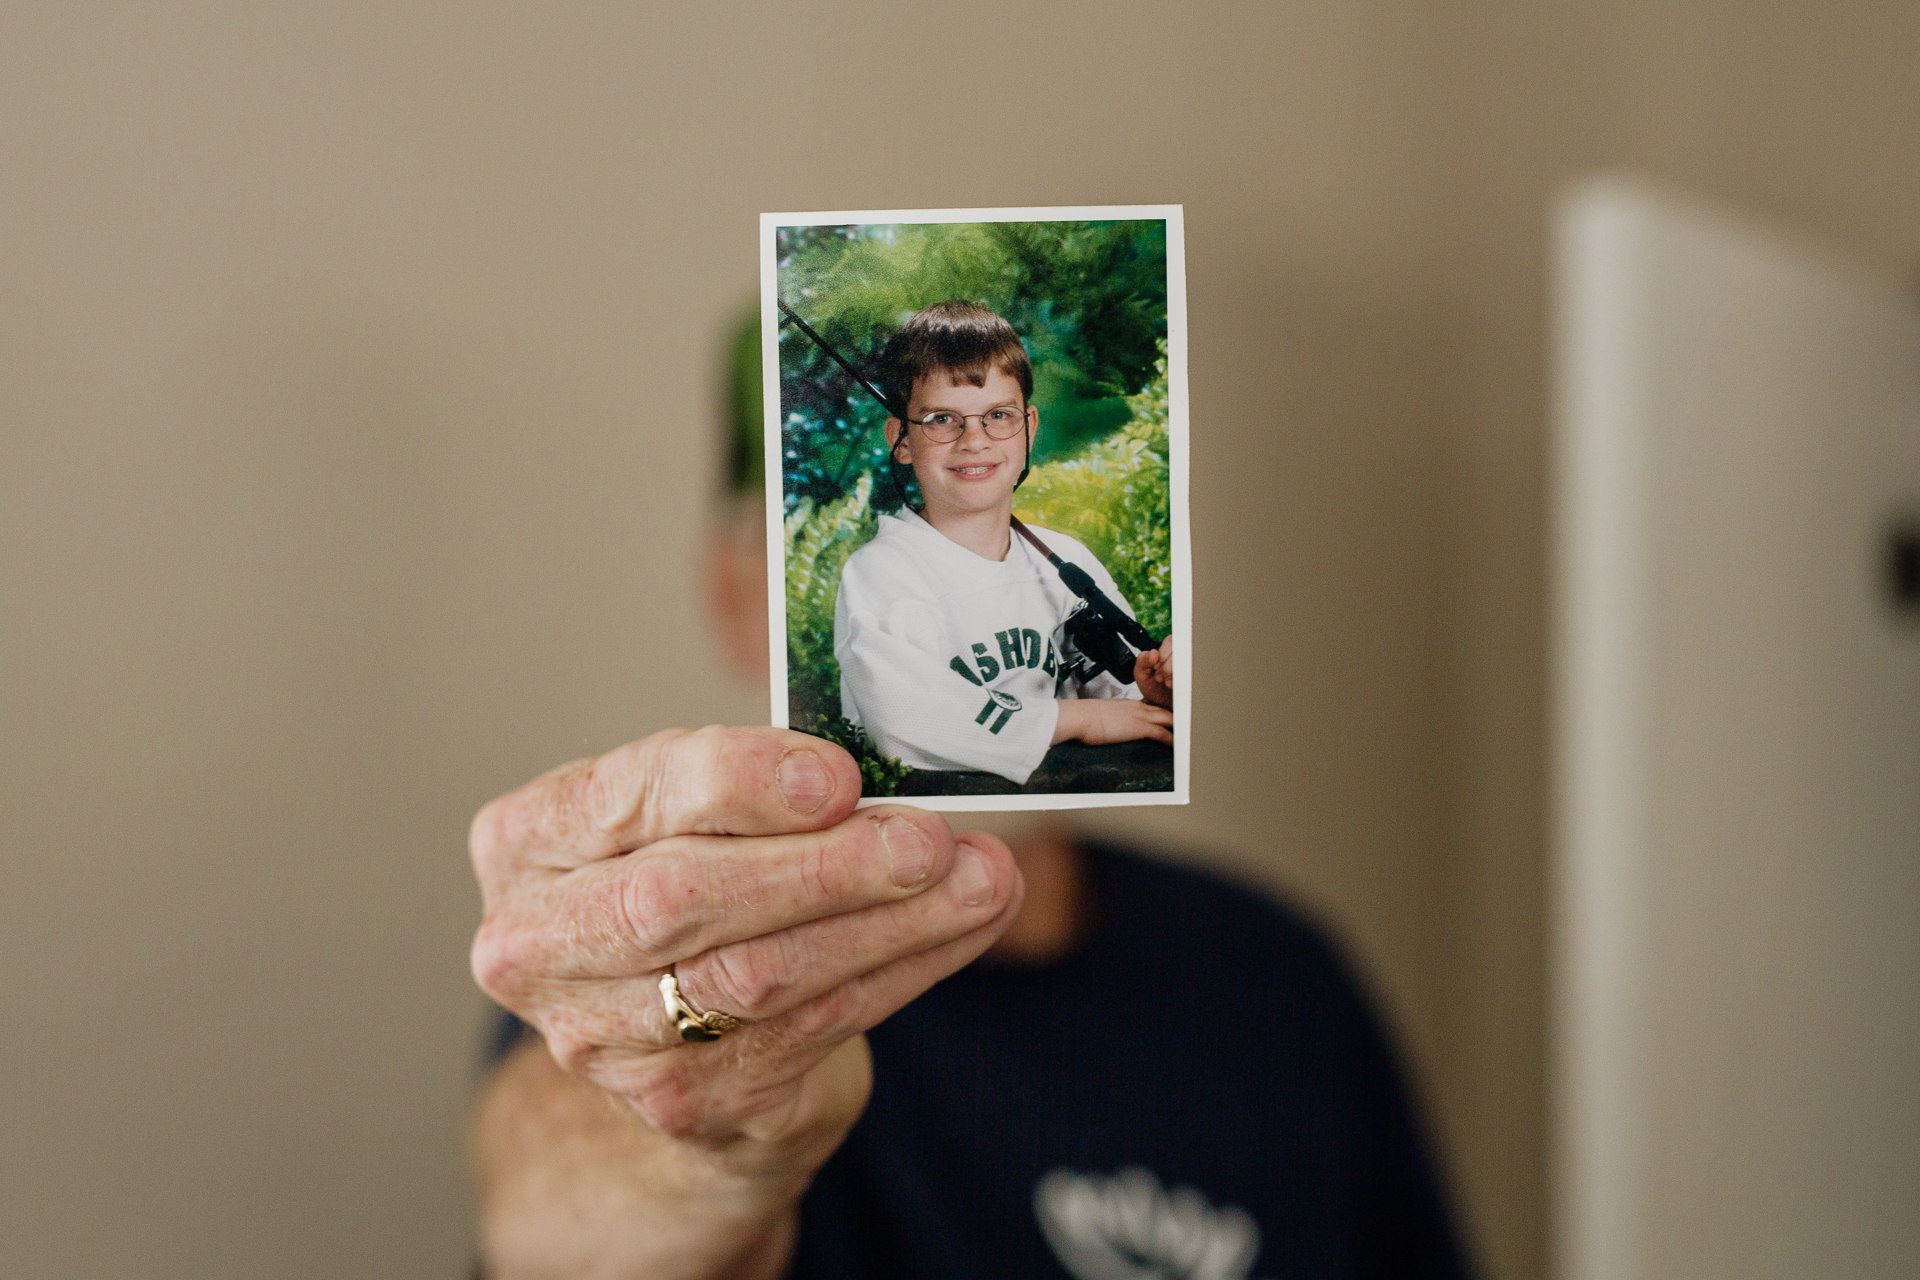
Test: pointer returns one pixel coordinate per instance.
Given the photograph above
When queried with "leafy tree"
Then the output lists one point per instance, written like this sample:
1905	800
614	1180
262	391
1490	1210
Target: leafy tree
818	542
1088	298
1113	496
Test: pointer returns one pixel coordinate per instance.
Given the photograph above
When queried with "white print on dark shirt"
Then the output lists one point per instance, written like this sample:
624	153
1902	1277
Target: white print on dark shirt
1128	1227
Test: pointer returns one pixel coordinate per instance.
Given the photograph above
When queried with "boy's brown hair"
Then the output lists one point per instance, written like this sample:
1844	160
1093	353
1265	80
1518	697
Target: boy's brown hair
962	339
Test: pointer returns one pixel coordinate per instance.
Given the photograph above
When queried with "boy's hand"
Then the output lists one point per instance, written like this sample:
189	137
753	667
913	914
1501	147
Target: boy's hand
736	857
1098	721
1153	673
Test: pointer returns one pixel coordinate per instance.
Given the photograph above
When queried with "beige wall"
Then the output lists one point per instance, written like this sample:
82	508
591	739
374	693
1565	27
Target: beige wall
1804	113
355	400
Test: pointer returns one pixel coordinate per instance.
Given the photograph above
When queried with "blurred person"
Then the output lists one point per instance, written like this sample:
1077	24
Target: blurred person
773	1035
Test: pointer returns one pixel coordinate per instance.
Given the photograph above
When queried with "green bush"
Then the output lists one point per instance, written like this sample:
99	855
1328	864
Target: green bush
1112	496
818	542
1089	300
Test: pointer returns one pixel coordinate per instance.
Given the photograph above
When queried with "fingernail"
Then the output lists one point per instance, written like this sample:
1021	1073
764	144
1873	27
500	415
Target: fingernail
910	850
972	878
805	783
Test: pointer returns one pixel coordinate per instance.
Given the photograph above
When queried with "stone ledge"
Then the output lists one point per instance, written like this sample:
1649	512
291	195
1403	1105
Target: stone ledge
1071	768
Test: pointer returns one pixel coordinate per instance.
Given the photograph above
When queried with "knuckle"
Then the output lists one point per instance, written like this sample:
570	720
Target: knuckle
715	760
830	862
613	796
832	1015
488	836
749	980
683	779
652	771
565	794
600	794
607	796
713	744
650	906
498	959
905	932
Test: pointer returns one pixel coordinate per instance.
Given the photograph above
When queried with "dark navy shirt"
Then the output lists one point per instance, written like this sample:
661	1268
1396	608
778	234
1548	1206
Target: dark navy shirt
1197	1091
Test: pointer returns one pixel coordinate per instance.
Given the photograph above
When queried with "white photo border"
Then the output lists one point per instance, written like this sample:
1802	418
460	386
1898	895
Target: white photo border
1182	568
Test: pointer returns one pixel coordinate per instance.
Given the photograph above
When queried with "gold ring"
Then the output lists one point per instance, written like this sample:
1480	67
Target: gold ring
693	1024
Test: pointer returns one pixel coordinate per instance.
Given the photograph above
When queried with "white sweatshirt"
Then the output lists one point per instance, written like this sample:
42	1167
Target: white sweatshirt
952	661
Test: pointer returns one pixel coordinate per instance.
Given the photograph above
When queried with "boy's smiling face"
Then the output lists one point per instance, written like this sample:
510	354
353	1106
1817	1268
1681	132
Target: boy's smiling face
976	473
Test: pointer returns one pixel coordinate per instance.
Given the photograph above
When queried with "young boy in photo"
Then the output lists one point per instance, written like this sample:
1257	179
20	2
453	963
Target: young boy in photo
950	630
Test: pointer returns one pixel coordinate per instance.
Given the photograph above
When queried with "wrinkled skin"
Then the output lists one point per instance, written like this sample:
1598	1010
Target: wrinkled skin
737	857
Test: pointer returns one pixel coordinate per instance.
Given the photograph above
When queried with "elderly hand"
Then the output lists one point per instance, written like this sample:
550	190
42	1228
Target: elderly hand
735	856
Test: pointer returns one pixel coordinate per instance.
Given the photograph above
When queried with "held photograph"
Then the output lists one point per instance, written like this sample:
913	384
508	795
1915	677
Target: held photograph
979	532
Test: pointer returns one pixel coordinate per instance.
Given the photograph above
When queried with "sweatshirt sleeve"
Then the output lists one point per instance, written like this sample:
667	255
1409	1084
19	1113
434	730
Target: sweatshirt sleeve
899	683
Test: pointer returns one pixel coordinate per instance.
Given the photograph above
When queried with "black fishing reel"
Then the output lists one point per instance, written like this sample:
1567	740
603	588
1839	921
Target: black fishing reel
1100	647
1104	633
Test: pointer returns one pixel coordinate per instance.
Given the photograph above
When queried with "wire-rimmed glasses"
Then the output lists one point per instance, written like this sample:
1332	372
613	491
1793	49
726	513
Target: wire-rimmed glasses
943	426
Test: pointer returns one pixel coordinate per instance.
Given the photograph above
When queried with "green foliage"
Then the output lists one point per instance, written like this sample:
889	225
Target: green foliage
1088	298
879	775
818	541
1112	496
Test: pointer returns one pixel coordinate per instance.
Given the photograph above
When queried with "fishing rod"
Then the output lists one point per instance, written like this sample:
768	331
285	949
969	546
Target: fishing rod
840	360
1101	630
1081	583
